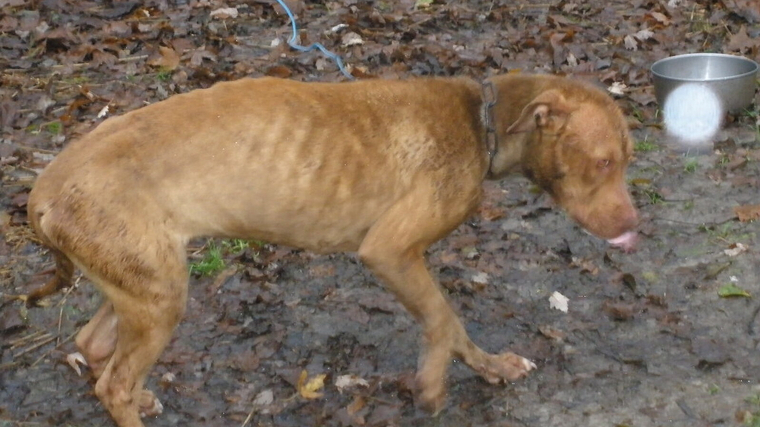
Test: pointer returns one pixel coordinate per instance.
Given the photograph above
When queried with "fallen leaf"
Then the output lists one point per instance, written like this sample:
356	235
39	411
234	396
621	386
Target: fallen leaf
356	406
747	9
20	199
558	301
481	278
644	34
551	333
747	213
617	88
490	213
630	42
730	290
167	379
586	266
660	17
741	41
351	39
735	249
74	360
310	389
349	381
295	6
169	59
224	13
338	27
265	398
279	71
620	311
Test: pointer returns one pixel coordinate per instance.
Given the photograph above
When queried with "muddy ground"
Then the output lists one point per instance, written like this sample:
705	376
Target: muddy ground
650	338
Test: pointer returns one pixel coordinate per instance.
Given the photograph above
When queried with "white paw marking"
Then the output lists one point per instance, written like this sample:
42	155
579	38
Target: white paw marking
156	409
528	365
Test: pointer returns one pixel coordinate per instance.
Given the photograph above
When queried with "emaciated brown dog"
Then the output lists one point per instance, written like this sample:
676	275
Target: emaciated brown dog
384	168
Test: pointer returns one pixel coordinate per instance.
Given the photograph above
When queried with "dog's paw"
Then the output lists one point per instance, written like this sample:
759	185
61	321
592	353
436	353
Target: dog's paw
149	404
505	367
431	393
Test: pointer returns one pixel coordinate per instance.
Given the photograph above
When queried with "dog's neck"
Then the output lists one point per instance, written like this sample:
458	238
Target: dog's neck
504	151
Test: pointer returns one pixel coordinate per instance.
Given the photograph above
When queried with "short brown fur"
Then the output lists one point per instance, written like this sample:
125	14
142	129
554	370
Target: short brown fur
384	168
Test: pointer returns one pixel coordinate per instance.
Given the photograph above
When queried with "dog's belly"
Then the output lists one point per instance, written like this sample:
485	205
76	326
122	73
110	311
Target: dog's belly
323	209
318	225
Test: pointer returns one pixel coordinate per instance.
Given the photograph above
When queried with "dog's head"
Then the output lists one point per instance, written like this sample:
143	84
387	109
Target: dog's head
577	149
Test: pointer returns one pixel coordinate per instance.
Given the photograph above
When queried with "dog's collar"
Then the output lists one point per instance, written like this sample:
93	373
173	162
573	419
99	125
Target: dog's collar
492	140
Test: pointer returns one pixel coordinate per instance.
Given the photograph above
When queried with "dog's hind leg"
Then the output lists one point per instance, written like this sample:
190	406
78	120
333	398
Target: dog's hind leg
97	343
144	325
144	280
97	339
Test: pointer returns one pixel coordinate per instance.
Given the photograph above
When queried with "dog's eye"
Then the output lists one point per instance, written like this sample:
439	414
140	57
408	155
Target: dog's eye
603	164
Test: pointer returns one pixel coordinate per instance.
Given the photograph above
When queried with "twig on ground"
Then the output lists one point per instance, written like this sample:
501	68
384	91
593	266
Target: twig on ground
68	338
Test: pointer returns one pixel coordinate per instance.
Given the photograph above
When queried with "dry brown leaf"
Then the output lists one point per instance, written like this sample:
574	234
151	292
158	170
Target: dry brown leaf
310	389
356	405
747	9
620	311
280	71
741	42
169	59
551	333
491	213
661	18
747	213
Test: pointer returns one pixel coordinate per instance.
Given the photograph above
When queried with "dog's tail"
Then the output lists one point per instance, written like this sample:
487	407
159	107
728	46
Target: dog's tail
62	278
64	268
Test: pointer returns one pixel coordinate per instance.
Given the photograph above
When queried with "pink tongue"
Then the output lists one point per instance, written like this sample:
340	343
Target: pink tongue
625	241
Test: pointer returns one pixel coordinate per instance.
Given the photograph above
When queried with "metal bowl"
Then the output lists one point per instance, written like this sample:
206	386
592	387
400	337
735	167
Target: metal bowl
731	78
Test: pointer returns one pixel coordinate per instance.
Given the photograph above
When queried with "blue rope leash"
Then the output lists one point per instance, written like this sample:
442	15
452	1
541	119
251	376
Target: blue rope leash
292	43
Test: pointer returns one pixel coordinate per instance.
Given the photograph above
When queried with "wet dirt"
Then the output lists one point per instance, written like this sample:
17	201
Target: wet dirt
648	339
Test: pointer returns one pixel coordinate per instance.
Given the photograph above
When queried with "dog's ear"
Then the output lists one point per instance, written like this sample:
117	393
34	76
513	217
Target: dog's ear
537	113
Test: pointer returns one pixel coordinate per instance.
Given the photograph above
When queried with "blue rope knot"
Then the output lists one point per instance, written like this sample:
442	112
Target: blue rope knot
292	43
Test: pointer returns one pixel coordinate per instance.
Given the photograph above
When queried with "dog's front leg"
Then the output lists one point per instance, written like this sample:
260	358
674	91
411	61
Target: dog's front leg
394	250
406	276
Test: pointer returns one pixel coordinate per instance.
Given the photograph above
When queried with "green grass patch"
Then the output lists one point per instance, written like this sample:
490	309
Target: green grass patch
77	80
645	146
212	262
164	75
213	258
235	246
751	417
654	196
54	127
691	165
